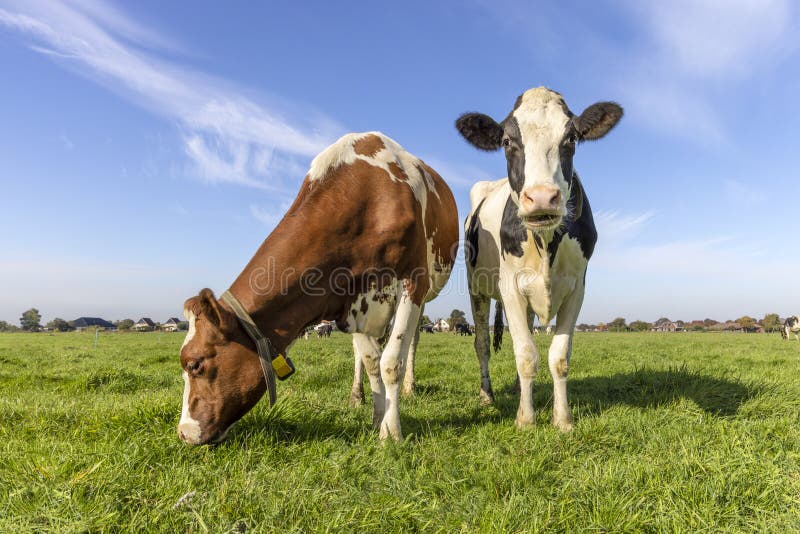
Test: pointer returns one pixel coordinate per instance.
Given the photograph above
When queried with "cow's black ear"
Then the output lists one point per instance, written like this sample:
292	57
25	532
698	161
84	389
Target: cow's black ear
598	119
480	130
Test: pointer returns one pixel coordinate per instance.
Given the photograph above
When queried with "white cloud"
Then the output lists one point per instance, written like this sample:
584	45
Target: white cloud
611	225
691	50
226	134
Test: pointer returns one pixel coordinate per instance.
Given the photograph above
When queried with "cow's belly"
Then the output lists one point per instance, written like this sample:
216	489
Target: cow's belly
371	312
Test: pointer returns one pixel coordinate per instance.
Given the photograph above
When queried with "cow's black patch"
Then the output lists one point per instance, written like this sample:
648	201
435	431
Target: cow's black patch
515	153
473	231
512	231
581	228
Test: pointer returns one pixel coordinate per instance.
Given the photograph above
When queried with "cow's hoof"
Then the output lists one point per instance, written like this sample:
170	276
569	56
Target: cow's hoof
564	425
356	400
394	434
523	422
487	397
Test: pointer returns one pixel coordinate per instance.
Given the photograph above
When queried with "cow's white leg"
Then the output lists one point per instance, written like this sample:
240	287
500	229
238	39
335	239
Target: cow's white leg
367	348
393	361
409	383
559	357
525	353
480	313
357	391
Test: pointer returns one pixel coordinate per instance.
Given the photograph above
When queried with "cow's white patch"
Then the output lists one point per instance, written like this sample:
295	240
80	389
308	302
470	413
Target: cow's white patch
342	152
190	334
372	311
188	428
542	123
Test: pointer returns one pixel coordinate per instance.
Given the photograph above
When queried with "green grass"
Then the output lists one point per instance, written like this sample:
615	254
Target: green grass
674	432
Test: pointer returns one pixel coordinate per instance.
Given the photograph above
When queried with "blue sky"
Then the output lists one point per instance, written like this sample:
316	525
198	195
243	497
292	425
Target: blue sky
148	148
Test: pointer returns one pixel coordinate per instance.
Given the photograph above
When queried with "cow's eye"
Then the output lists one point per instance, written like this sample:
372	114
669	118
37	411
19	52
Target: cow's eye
572	138
506	142
194	366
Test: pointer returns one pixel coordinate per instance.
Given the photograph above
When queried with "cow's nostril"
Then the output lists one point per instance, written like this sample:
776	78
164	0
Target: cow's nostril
180	435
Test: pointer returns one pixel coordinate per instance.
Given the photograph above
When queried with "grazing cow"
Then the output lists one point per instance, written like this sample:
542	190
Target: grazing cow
463	329
324	329
530	236
369	239
791	326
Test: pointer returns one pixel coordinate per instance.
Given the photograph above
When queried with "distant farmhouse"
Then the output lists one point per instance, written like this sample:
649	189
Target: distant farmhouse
170	325
668	326
145	324
90	323
441	326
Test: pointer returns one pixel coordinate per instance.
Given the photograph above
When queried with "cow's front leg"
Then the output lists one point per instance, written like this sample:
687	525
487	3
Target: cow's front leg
393	361
367	349
525	353
559	357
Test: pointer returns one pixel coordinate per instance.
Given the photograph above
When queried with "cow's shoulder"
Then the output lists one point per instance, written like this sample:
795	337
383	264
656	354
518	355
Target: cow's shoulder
481	190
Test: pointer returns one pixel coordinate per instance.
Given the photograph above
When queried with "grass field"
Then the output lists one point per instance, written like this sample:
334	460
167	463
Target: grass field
674	432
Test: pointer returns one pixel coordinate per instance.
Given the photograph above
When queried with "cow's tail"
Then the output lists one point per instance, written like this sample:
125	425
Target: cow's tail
497	338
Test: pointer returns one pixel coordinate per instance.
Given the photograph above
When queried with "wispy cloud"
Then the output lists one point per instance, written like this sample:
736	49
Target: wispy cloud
692	49
227	135
612	225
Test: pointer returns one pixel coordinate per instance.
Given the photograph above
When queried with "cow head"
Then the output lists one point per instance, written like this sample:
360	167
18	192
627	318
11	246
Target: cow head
222	374
539	138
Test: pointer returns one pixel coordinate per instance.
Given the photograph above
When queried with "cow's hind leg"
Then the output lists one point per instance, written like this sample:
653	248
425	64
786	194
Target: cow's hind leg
559	357
409	382
394	356
357	391
367	349
480	313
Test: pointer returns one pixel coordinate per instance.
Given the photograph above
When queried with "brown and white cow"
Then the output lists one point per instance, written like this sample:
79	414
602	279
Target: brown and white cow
369	239
530	236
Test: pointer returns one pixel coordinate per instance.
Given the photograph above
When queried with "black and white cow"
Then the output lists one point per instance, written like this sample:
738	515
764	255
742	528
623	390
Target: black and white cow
530	236
791	326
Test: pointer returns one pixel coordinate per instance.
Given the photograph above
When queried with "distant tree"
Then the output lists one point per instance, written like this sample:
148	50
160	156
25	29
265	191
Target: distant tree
426	320
640	326
747	323
663	320
59	325
183	326
696	326
709	322
457	317
125	324
771	322
31	320
585	327
7	327
617	325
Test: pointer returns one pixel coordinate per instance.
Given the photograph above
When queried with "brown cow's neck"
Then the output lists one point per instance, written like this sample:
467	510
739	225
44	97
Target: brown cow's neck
269	286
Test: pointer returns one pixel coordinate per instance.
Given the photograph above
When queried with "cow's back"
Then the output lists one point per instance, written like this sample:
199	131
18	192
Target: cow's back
387	212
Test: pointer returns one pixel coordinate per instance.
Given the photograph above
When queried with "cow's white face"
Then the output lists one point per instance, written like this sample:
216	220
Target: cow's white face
539	138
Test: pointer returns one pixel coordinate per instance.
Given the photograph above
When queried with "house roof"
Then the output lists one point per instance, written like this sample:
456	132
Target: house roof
172	320
85	322
146	320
